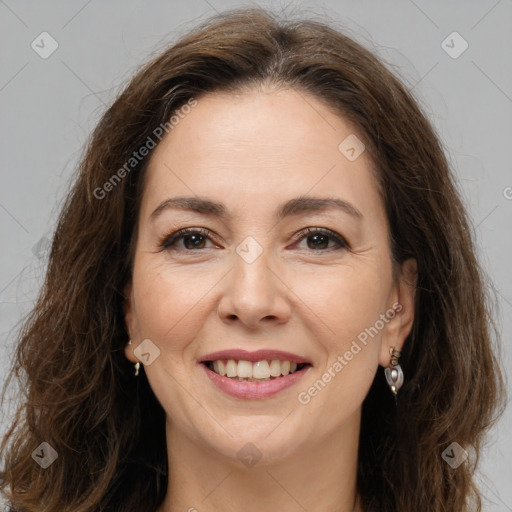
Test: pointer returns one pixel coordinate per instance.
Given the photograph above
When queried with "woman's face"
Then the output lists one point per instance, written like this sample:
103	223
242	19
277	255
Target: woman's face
257	168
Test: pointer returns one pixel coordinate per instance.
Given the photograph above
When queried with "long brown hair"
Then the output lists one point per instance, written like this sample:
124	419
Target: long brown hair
77	389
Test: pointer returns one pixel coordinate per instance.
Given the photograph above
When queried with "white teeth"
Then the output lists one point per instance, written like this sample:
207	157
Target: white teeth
261	370
231	368
245	369
222	367
275	368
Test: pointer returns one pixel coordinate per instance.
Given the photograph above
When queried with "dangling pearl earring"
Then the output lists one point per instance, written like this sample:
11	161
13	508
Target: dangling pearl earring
394	374
137	364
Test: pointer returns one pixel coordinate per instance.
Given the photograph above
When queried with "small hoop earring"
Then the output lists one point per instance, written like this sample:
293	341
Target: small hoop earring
394	374
137	365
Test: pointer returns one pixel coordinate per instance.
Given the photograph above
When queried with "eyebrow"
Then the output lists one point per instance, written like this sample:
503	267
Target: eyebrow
295	206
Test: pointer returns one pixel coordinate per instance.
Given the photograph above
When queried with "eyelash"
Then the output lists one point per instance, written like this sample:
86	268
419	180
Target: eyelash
167	242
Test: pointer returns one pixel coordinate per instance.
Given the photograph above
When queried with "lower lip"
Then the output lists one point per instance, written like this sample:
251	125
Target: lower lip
252	390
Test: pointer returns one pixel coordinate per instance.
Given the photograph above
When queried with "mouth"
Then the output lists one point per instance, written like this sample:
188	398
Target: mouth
252	375
259	371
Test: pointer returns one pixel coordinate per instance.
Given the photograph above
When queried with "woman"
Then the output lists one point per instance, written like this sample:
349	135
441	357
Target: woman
266	221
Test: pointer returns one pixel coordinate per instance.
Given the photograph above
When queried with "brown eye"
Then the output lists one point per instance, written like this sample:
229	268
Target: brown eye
319	239
192	239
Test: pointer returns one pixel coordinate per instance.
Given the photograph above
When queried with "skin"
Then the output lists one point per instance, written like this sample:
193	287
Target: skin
252	151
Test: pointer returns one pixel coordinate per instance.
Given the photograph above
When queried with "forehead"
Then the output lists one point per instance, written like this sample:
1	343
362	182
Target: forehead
261	146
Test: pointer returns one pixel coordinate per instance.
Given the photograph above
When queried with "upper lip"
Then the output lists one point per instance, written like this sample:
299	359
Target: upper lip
258	355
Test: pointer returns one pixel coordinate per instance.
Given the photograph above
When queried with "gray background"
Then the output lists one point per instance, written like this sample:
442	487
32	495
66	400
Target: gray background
49	106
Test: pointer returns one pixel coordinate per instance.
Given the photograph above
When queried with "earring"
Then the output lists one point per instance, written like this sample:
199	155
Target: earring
137	364
394	374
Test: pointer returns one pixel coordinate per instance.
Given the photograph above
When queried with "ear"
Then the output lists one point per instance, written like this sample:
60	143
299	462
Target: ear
130	322
402	303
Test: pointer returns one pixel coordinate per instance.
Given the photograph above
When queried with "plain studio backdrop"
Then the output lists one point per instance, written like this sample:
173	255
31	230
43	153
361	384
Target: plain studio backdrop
62	62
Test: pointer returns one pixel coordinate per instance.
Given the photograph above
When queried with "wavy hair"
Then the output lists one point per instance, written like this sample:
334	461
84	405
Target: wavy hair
77	390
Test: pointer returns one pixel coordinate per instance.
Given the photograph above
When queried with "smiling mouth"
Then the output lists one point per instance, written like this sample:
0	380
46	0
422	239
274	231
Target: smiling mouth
260	371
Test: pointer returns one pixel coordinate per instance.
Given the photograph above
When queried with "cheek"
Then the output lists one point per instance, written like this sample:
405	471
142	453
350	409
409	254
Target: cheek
345	301
167	302
348	305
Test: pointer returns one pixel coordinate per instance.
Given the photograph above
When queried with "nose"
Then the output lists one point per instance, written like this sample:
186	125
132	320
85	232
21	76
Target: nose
255	295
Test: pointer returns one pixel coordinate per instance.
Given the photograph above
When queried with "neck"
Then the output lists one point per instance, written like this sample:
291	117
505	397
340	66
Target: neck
322	477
